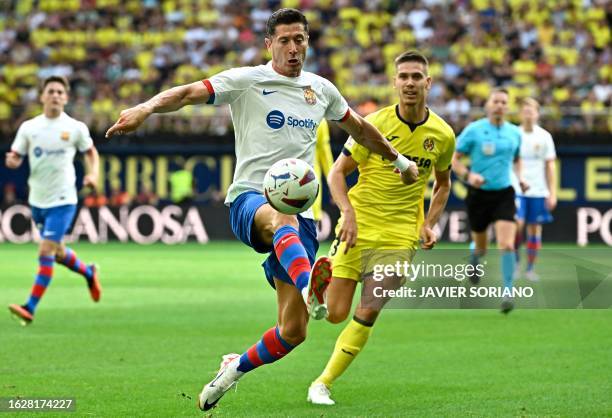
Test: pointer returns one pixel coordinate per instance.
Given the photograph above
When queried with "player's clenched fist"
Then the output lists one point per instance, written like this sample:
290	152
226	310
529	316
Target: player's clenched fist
129	120
428	238
475	180
13	160
411	175
90	180
348	230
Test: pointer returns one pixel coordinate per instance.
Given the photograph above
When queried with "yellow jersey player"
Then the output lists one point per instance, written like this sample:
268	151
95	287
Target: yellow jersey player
382	219
322	164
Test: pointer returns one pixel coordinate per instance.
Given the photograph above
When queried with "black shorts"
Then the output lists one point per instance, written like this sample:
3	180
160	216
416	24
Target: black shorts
487	206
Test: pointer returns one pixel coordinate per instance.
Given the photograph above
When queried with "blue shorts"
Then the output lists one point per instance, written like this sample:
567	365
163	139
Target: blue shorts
242	219
53	223
532	210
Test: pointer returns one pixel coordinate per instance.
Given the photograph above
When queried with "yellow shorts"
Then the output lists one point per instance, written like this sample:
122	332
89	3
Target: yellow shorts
367	257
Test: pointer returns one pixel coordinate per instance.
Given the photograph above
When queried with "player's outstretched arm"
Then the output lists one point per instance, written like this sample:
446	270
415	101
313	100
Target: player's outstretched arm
336	179
13	160
366	134
92	164
166	101
439	197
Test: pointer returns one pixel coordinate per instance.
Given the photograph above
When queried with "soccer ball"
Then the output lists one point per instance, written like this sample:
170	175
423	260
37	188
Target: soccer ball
291	186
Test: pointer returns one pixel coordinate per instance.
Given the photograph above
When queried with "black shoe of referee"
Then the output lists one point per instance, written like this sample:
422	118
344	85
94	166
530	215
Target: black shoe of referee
507	305
472	276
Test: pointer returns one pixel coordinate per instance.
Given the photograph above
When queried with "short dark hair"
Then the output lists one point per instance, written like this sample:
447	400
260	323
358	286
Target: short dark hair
55	79
285	17
412	56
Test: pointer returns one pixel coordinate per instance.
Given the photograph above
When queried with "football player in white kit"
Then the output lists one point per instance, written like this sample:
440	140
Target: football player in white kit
276	109
51	141
534	206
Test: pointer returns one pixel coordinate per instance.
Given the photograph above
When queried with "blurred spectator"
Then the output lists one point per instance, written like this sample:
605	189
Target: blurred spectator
591	107
146	197
181	187
119	53
119	198
93	199
9	195
457	107
367	107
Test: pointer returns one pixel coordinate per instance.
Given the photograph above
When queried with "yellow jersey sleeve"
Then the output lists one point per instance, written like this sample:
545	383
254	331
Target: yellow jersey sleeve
358	152
324	156
445	158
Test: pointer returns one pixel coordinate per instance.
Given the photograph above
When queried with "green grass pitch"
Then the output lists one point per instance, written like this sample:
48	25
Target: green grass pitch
168	313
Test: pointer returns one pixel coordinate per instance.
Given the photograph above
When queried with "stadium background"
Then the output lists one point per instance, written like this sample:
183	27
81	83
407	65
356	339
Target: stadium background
116	54
168	312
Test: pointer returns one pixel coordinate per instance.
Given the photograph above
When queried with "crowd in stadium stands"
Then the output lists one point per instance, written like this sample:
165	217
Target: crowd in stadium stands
119	52
95	199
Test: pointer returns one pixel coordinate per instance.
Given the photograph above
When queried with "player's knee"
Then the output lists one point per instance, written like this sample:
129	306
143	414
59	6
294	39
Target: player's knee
294	337
269	221
506	246
280	219
47	248
294	333
534	229
337	314
60	253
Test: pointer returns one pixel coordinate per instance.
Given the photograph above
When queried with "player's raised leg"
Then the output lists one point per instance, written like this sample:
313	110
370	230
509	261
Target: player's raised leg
275	344
283	231
291	241
68	257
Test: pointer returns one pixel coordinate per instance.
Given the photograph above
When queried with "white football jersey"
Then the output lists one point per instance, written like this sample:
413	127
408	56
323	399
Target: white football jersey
50	145
274	116
537	147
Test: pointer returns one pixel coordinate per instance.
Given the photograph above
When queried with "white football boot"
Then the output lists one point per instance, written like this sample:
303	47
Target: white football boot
226	379
314	293
516	275
532	276
319	394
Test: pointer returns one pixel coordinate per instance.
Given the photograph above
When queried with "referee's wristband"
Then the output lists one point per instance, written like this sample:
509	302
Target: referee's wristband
401	163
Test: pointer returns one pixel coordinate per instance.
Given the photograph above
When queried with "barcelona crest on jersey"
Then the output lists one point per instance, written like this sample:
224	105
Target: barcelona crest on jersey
310	96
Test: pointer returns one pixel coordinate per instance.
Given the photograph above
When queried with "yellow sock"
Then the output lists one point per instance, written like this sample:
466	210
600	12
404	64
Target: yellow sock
350	342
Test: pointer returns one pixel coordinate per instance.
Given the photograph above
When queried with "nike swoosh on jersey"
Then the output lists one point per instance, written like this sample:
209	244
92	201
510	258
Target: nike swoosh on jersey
348	352
266	92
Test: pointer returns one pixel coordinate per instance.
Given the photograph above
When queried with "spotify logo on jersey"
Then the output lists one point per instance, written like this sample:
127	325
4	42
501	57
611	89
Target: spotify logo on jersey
275	119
